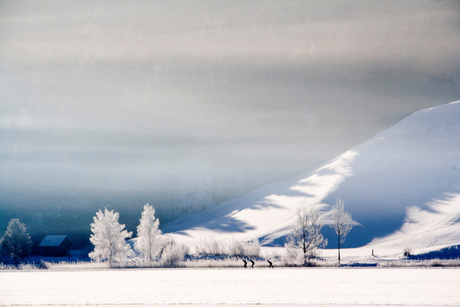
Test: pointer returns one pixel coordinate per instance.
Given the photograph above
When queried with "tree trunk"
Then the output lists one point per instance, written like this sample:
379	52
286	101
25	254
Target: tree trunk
304	243
338	248
110	255
304	256
150	248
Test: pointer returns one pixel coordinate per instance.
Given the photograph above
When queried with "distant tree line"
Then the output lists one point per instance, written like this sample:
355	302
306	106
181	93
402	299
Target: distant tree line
109	238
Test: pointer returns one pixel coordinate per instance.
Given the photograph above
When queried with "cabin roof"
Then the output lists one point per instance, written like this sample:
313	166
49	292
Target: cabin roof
53	240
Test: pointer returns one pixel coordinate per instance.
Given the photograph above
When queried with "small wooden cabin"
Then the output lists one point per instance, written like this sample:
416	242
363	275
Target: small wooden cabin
55	246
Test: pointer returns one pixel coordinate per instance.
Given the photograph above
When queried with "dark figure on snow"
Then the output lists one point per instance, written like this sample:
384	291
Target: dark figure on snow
252	263
245	263
270	264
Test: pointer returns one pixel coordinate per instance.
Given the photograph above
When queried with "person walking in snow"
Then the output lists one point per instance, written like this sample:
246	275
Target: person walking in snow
270	264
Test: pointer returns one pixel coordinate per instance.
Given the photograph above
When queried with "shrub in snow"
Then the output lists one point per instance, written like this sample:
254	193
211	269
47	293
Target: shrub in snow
292	254
172	253
148	242
236	249
306	233
16	240
210	247
252	249
109	238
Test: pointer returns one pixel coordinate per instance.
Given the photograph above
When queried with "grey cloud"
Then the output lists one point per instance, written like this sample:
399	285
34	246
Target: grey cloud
317	30
146	100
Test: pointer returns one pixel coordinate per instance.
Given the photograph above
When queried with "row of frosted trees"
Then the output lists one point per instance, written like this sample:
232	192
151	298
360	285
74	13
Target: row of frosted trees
110	244
109	237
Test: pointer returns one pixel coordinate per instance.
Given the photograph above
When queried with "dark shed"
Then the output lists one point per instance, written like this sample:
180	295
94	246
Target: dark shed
55	246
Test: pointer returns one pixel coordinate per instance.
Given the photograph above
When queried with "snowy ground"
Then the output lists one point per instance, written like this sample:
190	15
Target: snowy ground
233	287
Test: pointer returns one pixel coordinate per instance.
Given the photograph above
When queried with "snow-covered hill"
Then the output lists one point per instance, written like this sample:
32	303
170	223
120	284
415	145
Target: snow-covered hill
402	187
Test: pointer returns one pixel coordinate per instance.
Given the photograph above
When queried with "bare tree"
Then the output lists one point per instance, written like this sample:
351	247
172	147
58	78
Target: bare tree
306	232
342	223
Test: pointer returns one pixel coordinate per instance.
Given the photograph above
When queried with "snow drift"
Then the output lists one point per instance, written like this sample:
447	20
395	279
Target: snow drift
402	187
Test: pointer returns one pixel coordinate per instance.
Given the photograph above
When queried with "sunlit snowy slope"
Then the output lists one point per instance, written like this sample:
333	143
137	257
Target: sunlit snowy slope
402	187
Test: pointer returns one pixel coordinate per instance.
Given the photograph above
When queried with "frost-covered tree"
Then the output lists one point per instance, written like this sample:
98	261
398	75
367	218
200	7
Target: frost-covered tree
342	223
109	238
306	233
148	242
16	240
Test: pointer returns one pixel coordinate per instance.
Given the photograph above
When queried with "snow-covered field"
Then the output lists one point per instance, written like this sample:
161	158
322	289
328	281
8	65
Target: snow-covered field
233	287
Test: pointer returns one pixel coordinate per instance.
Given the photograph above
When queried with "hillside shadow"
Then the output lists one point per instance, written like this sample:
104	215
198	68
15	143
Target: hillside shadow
380	219
222	217
224	224
451	252
288	195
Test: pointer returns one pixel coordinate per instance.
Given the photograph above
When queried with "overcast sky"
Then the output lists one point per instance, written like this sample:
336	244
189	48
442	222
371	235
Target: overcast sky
159	96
